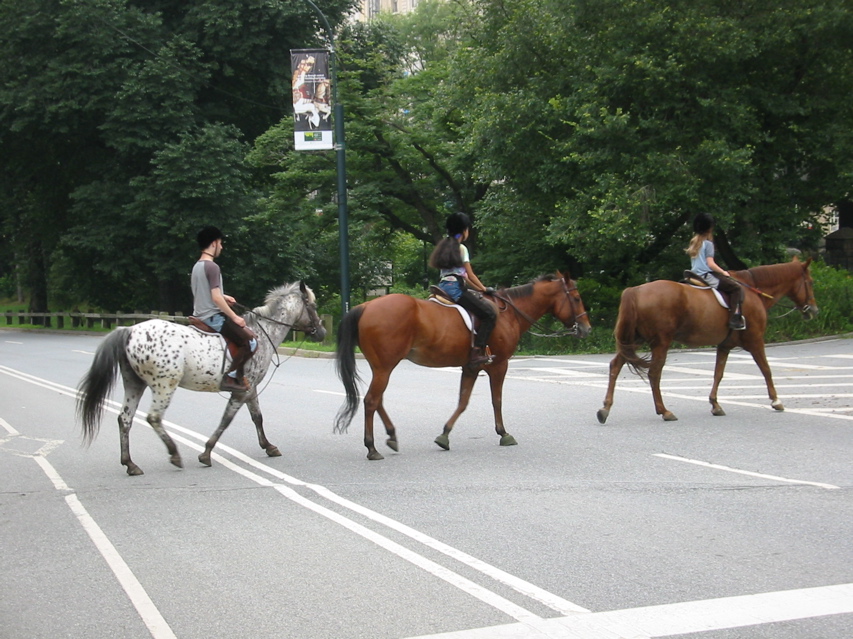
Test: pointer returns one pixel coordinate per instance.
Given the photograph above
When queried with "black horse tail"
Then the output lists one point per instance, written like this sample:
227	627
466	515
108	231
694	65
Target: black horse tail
627	337
98	382
345	366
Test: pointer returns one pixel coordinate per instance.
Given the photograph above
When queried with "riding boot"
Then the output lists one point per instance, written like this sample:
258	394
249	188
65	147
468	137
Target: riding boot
478	358
736	321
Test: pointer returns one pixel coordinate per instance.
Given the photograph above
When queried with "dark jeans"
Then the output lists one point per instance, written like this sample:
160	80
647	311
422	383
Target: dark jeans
734	290
239	336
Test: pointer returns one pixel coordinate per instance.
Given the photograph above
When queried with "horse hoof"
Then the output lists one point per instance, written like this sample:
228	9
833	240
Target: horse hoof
133	469
273	451
508	440
392	444
669	417
718	412
374	456
204	458
777	405
602	415
443	441
176	461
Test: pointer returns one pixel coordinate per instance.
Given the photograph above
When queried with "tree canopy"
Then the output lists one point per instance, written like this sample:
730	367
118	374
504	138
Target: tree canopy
578	134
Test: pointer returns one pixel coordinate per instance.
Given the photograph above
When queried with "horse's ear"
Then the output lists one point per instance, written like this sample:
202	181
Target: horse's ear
302	287
807	263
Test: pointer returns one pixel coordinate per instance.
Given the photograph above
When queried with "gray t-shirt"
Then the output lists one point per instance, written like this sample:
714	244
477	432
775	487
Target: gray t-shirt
205	277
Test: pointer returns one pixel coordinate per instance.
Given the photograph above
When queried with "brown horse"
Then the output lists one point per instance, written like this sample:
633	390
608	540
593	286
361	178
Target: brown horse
661	312
396	327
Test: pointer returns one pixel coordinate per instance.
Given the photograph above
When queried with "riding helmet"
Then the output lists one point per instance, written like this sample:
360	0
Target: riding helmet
702	223
208	235
457	223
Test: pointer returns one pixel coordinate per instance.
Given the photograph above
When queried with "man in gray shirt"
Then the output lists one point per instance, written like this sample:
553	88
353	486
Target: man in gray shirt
213	307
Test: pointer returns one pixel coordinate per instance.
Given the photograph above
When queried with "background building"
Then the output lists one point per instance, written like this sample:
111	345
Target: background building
372	8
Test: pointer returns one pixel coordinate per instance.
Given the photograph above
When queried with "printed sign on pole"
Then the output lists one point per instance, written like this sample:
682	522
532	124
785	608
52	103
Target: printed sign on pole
312	108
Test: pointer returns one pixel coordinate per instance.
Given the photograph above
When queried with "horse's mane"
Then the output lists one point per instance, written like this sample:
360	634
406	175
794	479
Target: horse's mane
277	295
770	275
525	290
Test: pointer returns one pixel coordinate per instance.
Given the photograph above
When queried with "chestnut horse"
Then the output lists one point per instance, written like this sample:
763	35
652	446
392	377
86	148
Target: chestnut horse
396	327
661	312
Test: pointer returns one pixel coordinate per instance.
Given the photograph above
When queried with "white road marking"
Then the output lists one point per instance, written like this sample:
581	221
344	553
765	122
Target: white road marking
681	618
82	352
665	620
7	427
157	625
151	617
745	472
11	342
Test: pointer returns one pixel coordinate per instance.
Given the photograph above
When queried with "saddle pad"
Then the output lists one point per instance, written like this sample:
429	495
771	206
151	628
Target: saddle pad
717	293
466	317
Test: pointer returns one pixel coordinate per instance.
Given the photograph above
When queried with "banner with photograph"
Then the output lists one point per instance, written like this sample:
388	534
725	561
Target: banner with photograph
312	100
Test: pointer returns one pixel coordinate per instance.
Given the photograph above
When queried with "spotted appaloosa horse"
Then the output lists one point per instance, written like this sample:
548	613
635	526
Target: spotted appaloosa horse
163	355
661	312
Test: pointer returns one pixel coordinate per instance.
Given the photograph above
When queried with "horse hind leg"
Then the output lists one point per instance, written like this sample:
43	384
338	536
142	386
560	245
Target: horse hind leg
616	365
655	372
159	404
391	442
373	403
133	390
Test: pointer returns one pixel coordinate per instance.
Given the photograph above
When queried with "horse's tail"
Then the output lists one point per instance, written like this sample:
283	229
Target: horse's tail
627	337
345	365
98	382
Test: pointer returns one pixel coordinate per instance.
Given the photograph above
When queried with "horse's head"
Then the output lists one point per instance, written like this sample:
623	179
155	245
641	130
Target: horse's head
568	306
802	293
309	320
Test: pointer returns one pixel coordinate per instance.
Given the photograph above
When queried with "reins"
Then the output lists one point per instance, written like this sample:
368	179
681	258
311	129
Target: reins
276	361
573	331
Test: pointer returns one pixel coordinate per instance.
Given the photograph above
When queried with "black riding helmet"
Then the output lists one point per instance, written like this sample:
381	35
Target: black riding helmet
702	223
457	223
208	235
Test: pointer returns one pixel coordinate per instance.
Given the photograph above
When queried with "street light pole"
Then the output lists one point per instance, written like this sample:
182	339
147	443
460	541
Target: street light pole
340	154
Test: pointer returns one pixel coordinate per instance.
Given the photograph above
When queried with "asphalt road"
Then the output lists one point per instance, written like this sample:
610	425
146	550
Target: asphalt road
708	527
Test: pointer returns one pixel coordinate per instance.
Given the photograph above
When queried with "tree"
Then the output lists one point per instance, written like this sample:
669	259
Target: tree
123	126
627	117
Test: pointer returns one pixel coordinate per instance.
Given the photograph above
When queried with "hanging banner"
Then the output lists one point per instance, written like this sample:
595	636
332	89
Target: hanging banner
312	104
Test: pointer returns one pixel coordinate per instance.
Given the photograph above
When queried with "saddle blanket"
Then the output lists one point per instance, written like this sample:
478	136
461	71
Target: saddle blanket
717	293
466	317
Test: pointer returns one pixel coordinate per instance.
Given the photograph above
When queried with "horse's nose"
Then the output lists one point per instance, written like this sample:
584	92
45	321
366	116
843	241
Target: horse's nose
584	330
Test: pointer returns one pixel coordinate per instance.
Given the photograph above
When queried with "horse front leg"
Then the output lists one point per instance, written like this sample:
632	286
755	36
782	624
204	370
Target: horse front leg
757	352
655	373
231	408
497	374
258	420
466	385
133	390
616	365
719	368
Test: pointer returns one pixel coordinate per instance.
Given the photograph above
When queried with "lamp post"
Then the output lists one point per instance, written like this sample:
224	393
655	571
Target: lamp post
340	154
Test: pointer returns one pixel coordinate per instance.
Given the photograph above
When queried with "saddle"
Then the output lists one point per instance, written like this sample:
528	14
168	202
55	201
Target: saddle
691	279
204	328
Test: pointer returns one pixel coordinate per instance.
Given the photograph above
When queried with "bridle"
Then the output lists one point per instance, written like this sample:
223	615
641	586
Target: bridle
573	330
316	322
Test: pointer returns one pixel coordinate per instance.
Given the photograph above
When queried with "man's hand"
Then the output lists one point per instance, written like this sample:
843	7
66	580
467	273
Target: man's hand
231	301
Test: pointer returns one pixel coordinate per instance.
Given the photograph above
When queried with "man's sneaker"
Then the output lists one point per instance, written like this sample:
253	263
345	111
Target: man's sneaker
737	323
231	385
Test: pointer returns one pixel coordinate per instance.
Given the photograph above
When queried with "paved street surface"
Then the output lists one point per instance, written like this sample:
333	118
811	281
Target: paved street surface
707	527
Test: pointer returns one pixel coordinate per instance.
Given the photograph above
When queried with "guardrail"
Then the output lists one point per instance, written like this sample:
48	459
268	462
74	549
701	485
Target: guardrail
108	320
